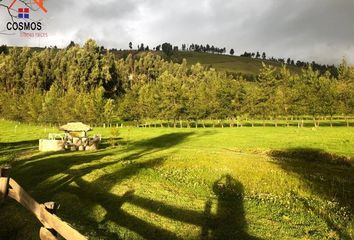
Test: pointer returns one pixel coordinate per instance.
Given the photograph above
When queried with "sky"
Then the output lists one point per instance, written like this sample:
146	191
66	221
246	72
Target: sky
319	30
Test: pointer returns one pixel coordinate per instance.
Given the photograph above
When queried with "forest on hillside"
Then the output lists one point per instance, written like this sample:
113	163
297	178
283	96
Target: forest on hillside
89	84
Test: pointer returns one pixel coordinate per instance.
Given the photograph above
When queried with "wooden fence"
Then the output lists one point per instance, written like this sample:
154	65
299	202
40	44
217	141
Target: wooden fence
45	213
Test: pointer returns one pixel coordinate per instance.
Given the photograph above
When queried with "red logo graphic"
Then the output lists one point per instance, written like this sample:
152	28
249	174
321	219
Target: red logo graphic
38	2
23	13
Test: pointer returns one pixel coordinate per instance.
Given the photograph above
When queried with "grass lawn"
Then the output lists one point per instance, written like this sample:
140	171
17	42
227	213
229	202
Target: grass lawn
231	183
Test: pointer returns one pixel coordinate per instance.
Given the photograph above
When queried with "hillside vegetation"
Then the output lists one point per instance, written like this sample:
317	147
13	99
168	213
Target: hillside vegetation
90	84
231	64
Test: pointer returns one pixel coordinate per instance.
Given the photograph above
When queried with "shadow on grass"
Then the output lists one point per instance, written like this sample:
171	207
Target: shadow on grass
229	222
9	150
37	175
326	175
112	142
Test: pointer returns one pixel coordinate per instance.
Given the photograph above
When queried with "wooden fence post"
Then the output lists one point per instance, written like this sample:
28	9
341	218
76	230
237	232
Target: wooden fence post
43	212
45	234
4	182
51	207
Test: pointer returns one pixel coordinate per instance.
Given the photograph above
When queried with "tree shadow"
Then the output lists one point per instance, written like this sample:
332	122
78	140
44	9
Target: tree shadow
36	170
326	175
112	204
228	222
8	150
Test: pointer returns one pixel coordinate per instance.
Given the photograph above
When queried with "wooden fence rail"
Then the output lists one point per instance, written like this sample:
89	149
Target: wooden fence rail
52	225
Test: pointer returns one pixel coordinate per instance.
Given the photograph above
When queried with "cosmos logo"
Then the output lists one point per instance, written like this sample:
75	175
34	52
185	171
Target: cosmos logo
23	14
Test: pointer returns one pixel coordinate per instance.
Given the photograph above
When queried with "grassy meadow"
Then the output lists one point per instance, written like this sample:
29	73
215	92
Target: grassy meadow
187	183
229	63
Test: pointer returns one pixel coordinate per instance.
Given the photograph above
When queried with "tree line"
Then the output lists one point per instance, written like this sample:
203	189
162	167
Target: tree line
89	84
169	50
322	68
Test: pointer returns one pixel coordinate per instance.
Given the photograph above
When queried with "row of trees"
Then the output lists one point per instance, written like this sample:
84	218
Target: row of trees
197	94
88	84
322	68
169	49
193	47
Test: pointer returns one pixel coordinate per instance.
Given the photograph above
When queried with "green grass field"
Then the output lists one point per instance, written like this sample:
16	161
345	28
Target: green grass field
231	183
229	63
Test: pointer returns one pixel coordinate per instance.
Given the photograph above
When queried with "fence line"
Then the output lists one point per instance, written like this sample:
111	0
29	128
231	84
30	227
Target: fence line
43	212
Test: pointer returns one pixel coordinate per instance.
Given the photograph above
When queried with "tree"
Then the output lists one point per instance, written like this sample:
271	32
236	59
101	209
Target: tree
232	52
4	49
268	84
109	76
328	95
264	56
258	55
141	48
71	44
130	45
246	54
345	88
51	105
309	87
346	98
108	112
250	106
285	94
129	108
89	84
33	76
167	49
171	94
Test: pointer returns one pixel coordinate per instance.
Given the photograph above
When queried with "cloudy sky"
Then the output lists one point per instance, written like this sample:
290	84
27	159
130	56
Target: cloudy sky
320	30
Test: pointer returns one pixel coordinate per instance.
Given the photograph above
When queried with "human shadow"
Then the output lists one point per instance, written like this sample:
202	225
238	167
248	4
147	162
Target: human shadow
326	175
229	221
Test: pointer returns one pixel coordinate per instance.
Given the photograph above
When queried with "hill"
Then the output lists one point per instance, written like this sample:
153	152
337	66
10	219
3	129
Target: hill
232	64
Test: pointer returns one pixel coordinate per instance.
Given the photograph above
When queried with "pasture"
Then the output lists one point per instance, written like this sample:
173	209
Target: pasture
227	63
166	183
